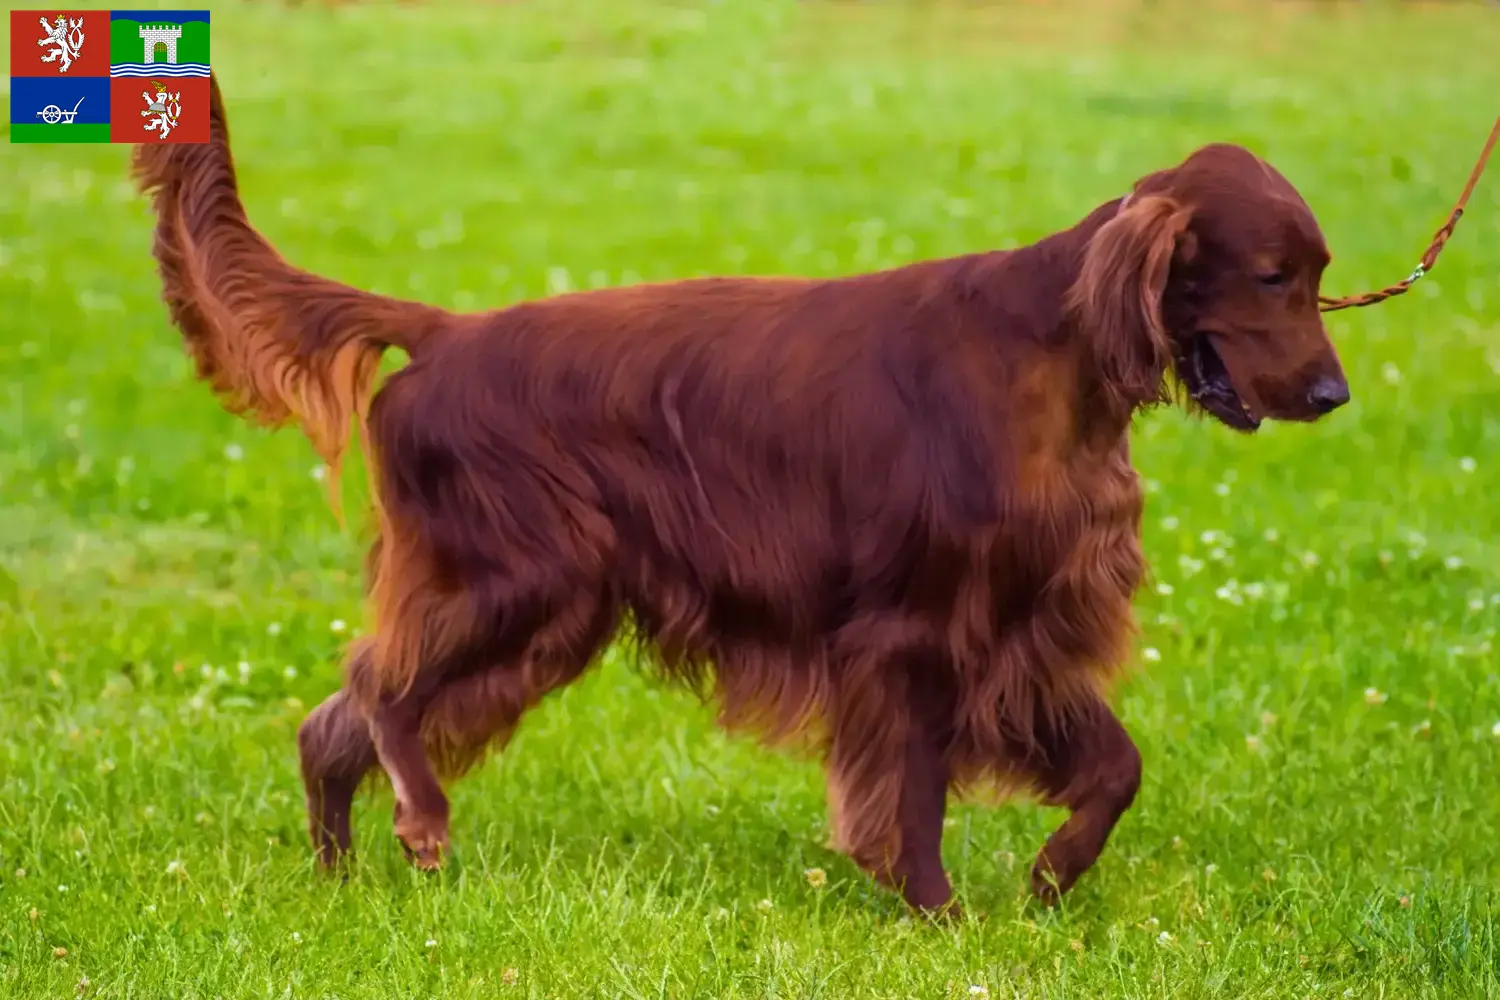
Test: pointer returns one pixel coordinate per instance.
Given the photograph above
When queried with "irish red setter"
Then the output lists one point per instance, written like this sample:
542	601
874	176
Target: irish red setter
892	516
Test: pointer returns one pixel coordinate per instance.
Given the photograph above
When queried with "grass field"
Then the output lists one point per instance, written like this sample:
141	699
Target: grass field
1318	704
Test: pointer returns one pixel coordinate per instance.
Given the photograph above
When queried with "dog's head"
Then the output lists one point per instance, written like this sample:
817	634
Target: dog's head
1212	269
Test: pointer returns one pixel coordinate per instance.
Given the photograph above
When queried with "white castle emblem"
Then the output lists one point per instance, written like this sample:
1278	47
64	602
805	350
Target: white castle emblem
66	37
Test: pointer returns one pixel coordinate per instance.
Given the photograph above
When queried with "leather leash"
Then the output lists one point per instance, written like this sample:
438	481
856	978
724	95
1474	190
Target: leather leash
1429	259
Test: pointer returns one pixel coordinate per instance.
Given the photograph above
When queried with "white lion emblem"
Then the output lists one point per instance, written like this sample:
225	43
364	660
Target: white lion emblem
67	38
165	106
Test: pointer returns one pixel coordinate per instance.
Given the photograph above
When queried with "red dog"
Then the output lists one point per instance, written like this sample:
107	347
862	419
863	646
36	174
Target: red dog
893	514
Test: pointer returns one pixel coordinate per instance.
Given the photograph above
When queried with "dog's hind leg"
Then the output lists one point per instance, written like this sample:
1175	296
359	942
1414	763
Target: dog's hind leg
421	806
1093	768
336	752
442	727
480	711
338	745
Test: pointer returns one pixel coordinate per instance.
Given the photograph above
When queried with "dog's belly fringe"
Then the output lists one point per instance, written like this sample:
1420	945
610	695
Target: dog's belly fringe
1000	683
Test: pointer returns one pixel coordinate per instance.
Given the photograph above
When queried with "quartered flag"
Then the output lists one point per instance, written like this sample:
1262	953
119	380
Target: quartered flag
109	76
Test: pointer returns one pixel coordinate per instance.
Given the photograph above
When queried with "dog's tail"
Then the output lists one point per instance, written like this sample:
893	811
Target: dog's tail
275	342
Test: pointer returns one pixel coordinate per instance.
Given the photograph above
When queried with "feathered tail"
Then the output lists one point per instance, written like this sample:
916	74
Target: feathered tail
275	342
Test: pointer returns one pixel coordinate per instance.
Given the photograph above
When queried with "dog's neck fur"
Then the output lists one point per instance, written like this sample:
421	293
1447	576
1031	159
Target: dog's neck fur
1048	269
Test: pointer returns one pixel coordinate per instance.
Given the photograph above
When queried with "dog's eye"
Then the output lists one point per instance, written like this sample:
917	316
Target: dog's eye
1273	279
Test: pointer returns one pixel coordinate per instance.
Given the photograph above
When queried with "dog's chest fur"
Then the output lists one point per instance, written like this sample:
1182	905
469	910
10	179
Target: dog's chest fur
1066	561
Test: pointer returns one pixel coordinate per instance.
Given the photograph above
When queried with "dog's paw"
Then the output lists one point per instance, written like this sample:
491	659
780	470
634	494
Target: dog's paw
1045	888
424	839
427	854
943	915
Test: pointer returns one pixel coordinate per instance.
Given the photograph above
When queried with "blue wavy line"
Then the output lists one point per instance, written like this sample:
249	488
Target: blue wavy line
141	69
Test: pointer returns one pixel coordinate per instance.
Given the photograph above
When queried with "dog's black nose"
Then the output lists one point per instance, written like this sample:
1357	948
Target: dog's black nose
1328	394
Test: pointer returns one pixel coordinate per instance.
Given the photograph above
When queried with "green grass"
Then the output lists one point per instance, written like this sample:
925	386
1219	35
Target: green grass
170	578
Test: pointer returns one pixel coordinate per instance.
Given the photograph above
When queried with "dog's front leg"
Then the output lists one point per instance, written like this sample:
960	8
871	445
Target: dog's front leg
888	793
918	872
1094	769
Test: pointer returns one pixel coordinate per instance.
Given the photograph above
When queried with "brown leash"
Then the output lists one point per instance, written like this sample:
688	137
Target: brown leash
1429	259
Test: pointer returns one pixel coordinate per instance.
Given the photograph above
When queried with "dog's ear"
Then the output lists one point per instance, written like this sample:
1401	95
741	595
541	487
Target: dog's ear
1117	299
